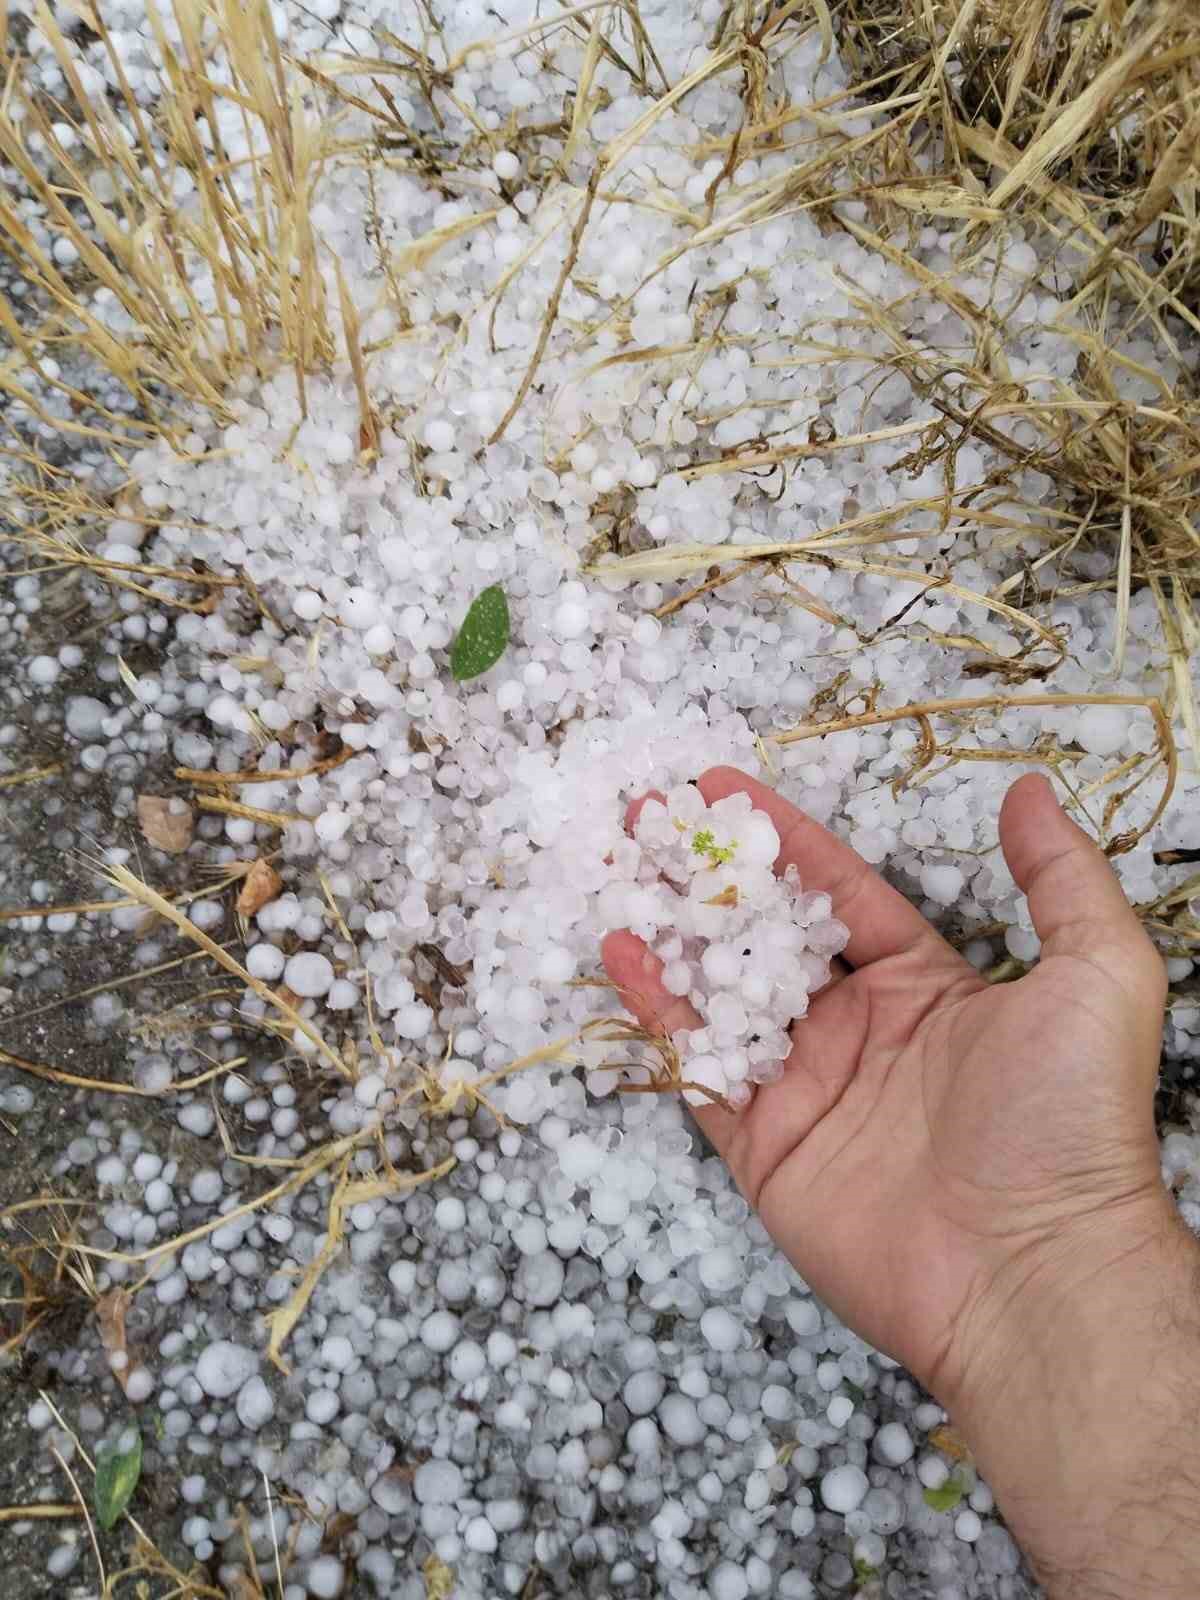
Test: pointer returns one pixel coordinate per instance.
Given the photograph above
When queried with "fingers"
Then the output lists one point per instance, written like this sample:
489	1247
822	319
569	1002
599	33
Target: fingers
637	973
1075	899
634	809
882	922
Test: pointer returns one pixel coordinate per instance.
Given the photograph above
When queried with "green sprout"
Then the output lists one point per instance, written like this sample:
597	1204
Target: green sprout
704	844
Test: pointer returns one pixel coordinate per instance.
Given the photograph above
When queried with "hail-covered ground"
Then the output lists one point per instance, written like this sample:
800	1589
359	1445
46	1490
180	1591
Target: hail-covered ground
569	1361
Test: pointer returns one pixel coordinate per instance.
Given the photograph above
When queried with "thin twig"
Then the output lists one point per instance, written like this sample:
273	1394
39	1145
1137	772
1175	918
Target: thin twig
568	266
86	1516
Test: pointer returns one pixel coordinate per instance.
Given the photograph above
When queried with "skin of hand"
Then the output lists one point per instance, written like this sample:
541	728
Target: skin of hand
969	1176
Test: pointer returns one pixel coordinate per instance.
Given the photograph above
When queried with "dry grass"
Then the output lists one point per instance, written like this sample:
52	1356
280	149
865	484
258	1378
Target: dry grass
1078	124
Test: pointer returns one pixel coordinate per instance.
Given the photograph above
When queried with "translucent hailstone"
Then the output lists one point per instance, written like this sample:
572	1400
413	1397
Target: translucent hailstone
265	961
85	716
255	1406
359	608
223	1367
308	974
942	883
438	1482
721	1329
844	1489
893	1444
1102	730
326	1578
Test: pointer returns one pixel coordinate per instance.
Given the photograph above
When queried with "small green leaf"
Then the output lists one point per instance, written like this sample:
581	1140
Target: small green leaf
863	1570
118	1468
483	636
945	1498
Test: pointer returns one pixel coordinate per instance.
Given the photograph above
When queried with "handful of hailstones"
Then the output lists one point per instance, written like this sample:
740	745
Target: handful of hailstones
745	947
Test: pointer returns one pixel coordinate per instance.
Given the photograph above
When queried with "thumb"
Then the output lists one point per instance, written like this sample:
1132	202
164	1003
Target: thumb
1075	899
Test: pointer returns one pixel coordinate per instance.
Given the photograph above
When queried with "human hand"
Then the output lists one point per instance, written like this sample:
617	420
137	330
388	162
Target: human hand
947	1162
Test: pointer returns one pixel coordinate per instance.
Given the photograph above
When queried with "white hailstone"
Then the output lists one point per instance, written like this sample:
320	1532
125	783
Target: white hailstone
680	1420
337	1353
932	1471
43	670
308	974
967	1527
440	435
359	608
839	1410
308	605
265	961
254	1405
721	1269
728	1582
721	1329
777	1403
85	716
542	1277
572	619
450	1214
721	964
642	1392
326	1576
893	1444
402	1275
580	1158
505	164
942	883
1102	730
343	995
439	1331
480	1536
223	1367
844	1489
438	1482
468	1361
322	1406
139	1385
206	1186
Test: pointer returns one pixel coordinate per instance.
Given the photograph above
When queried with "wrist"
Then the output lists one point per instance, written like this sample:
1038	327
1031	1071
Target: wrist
1079	1392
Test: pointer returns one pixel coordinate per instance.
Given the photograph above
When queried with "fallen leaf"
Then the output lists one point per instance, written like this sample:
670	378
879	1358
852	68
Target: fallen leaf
945	1498
261	885
439	1578
118	1468
727	897
166	824
950	1442
110	1314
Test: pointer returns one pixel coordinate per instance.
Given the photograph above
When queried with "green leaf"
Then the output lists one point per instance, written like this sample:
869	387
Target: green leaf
117	1472
945	1498
483	636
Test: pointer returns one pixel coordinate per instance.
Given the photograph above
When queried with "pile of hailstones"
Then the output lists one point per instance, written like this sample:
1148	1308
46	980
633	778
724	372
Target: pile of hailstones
745	947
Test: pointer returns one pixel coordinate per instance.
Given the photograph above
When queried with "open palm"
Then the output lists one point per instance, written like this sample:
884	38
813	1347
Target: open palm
936	1141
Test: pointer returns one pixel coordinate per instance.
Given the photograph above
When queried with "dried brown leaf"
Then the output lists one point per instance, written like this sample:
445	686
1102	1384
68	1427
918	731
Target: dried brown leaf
166	824
727	897
261	885
950	1442
110	1315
